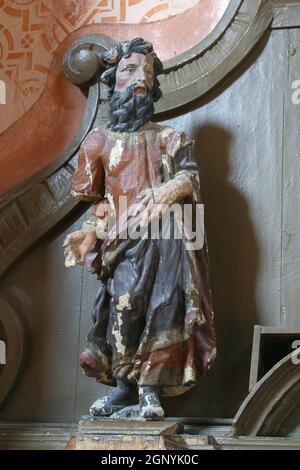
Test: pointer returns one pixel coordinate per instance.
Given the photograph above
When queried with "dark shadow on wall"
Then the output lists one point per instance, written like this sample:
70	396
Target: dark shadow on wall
234	260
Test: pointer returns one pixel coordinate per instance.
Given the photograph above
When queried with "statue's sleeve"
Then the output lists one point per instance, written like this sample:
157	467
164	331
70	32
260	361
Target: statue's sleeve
89	177
184	159
182	153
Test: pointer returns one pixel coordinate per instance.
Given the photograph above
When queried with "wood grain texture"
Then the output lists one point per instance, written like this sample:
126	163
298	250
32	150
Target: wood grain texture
290	301
274	397
286	13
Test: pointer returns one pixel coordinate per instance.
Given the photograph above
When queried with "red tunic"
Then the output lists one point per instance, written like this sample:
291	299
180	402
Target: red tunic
118	164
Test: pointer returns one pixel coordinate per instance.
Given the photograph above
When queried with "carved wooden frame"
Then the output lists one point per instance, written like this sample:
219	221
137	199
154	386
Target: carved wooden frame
271	401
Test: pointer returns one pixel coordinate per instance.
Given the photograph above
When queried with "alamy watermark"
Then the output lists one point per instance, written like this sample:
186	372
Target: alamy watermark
2	352
296	93
296	353
2	92
178	221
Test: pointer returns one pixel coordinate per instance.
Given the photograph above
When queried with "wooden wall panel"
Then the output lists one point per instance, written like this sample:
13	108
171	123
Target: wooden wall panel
290	302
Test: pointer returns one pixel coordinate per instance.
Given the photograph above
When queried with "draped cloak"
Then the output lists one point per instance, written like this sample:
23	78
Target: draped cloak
152	318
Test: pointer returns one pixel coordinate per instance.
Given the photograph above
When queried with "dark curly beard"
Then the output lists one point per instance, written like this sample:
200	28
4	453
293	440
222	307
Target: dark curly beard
129	112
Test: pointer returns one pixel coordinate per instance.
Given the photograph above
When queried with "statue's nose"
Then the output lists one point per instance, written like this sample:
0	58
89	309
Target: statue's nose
141	76
141	82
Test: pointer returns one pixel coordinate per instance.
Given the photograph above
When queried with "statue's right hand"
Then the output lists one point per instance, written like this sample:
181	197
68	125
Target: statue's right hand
77	245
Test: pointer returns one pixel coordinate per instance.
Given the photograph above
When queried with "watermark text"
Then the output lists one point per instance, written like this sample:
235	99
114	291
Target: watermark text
296	93
2	92
296	353
2	352
157	221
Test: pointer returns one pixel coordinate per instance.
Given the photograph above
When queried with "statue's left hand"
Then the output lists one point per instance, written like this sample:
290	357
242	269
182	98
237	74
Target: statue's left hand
155	201
151	202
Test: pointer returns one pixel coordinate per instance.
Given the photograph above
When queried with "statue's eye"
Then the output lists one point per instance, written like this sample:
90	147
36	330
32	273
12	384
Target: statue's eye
129	70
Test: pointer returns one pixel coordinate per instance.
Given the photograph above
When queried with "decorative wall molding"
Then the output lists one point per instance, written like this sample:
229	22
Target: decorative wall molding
270	402
15	330
286	14
82	61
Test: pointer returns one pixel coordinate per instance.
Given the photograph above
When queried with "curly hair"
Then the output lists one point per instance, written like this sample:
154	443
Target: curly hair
112	57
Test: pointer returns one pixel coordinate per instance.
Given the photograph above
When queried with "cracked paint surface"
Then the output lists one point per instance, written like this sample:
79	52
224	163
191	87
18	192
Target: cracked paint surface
124	303
115	155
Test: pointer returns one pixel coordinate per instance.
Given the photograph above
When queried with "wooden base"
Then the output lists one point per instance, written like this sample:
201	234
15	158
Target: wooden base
111	434
196	436
107	426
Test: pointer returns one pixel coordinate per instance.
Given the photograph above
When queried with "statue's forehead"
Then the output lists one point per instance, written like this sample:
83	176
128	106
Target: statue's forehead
137	59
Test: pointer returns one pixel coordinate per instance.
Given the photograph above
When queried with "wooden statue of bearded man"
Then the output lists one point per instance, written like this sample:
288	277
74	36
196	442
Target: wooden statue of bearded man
152	321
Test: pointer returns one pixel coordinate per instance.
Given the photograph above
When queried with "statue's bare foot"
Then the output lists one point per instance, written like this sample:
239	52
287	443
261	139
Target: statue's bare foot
104	407
128	413
150	407
122	396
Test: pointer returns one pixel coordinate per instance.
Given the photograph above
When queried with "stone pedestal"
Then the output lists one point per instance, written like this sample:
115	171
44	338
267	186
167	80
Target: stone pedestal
111	434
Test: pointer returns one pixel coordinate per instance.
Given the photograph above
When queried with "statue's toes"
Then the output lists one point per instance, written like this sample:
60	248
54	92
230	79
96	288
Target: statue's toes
150	406
152	413
128	412
102	407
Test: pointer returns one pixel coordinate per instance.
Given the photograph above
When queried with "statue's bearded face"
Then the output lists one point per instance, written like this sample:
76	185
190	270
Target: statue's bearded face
136	71
131	103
